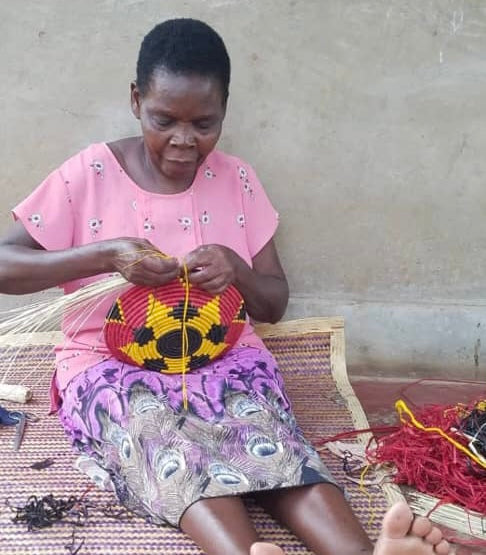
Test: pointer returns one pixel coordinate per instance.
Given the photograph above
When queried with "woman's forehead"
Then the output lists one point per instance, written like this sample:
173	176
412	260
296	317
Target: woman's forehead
169	88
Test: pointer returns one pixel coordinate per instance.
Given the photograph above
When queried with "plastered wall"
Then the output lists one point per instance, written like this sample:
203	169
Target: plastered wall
364	119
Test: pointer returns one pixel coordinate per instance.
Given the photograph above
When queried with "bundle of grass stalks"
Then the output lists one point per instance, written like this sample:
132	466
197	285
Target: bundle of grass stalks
46	315
19	325
454	517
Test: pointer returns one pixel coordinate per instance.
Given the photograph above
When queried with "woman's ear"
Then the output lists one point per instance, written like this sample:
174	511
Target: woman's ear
135	99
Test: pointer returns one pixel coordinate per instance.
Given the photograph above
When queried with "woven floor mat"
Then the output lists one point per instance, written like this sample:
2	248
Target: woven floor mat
310	354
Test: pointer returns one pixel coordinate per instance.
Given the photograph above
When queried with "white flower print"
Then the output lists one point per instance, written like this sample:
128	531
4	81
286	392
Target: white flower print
95	225
148	225
134	204
185	222
246	182
241	220
205	219
36	219
98	167
247	188
208	173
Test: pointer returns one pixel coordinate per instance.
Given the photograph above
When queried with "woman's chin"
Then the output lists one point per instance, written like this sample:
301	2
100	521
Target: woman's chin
180	173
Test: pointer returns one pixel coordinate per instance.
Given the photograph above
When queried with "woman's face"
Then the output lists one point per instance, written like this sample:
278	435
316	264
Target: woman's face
181	118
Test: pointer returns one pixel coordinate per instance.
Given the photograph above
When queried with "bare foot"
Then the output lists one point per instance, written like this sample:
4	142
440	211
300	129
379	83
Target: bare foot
402	534
263	548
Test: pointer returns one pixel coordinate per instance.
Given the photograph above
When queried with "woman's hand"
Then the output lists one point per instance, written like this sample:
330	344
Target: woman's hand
141	263
263	284
26	267
212	267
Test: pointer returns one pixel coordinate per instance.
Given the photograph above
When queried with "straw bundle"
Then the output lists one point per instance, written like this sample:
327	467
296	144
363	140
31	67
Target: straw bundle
44	316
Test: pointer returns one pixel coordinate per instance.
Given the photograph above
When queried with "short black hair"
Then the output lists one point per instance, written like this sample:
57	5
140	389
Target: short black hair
183	46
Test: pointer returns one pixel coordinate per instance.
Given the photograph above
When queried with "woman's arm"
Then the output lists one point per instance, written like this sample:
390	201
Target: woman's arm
263	287
25	267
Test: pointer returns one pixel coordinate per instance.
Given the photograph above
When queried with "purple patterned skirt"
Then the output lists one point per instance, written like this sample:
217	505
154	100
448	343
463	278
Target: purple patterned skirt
237	436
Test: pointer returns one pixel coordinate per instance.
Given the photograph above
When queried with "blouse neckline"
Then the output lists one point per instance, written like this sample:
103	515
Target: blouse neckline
141	190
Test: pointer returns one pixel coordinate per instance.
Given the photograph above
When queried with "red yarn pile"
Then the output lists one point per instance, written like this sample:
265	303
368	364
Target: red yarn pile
431	464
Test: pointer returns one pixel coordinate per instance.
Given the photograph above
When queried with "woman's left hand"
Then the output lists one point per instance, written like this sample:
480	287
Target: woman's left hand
212	267
262	285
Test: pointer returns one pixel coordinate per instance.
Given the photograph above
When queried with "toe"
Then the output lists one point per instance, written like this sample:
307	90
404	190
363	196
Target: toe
434	537
442	548
397	521
263	548
421	527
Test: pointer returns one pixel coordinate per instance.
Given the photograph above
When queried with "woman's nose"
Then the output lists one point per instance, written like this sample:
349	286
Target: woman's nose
183	137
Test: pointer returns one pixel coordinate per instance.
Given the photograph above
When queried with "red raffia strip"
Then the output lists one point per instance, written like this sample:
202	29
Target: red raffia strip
354	433
396	440
430	463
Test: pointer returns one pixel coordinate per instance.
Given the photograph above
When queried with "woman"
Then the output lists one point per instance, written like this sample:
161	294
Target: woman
110	209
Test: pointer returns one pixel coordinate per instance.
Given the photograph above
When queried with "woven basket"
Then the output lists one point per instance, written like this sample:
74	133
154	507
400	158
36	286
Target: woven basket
145	326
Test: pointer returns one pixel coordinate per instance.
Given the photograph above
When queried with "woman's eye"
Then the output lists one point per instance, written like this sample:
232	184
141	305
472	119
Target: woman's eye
204	124
163	122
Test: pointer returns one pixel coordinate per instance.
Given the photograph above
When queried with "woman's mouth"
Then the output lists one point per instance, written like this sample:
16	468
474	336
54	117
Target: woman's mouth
180	161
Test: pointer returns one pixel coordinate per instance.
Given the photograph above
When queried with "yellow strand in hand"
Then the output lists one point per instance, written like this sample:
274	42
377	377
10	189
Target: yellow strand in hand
184	336
149	252
185	339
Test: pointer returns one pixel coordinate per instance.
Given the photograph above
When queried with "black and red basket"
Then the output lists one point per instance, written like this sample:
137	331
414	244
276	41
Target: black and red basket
154	328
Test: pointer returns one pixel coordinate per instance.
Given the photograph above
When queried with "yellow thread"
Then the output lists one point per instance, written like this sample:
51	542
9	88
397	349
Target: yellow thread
185	341
151	253
401	408
155	252
363	489
481	405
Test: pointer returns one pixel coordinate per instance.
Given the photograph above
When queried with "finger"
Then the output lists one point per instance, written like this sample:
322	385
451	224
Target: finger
215	286
193	261
200	275
216	289
202	256
149	278
156	264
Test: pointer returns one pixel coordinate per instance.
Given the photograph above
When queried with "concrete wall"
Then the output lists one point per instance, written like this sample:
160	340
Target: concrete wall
365	120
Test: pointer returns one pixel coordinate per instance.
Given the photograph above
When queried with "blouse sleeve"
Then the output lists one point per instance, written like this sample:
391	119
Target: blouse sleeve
260	217
47	213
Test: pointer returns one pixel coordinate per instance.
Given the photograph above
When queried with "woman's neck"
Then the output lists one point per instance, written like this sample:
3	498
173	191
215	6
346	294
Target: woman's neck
159	182
136	162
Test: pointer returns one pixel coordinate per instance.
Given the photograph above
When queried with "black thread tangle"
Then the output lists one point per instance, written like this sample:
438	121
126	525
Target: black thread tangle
45	511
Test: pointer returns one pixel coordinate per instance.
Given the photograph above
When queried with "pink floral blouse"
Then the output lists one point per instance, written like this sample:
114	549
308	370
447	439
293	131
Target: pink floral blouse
91	198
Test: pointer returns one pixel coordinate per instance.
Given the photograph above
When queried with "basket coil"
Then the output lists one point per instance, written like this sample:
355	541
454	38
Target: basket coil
159	329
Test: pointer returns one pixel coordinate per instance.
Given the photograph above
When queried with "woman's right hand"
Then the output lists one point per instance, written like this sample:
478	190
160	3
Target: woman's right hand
141	263
26	267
